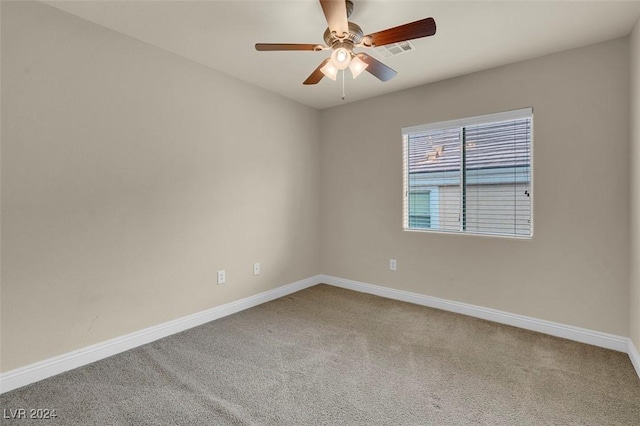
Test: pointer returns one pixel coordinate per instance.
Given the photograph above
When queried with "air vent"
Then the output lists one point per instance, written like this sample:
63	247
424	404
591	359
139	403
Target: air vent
395	49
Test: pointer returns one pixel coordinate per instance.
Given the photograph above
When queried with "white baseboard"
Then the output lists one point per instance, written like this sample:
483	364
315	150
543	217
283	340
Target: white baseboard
595	338
50	367
635	356
23	376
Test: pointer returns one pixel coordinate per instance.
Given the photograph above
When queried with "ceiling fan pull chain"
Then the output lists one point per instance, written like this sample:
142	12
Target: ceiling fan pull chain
343	95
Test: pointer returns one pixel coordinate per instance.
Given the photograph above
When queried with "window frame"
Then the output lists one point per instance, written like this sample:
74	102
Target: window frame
461	123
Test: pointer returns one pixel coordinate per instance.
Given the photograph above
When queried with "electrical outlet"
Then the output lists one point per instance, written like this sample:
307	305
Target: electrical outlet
256	268
222	277
393	265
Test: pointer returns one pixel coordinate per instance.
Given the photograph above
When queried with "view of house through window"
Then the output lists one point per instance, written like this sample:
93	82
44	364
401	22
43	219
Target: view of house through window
471	175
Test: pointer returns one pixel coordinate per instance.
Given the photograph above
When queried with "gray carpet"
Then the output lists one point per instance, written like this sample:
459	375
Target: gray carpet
331	356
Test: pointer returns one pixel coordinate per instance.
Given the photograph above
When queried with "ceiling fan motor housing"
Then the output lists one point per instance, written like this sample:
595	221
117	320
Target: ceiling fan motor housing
353	37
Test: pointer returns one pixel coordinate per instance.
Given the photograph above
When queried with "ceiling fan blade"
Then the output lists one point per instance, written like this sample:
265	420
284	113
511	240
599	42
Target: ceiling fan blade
270	47
377	68
316	75
336	13
418	29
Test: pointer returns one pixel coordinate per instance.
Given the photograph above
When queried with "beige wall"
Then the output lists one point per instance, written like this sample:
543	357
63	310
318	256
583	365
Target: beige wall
129	176
635	186
575	270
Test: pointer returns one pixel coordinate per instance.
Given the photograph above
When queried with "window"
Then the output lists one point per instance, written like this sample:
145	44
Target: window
471	175
420	210
424	208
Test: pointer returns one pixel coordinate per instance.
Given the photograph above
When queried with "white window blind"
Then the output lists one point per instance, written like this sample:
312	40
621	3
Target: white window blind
471	175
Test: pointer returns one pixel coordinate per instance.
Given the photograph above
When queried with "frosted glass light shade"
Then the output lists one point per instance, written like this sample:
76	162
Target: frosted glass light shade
356	66
341	58
330	70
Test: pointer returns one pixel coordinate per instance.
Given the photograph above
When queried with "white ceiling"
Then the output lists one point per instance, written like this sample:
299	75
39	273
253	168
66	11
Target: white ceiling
471	36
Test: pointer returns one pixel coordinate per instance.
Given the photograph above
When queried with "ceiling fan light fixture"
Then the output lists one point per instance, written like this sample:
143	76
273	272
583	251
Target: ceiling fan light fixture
342	36
356	66
341	58
330	70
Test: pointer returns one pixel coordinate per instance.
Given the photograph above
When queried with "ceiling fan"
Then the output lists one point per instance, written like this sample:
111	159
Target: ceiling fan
342	36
